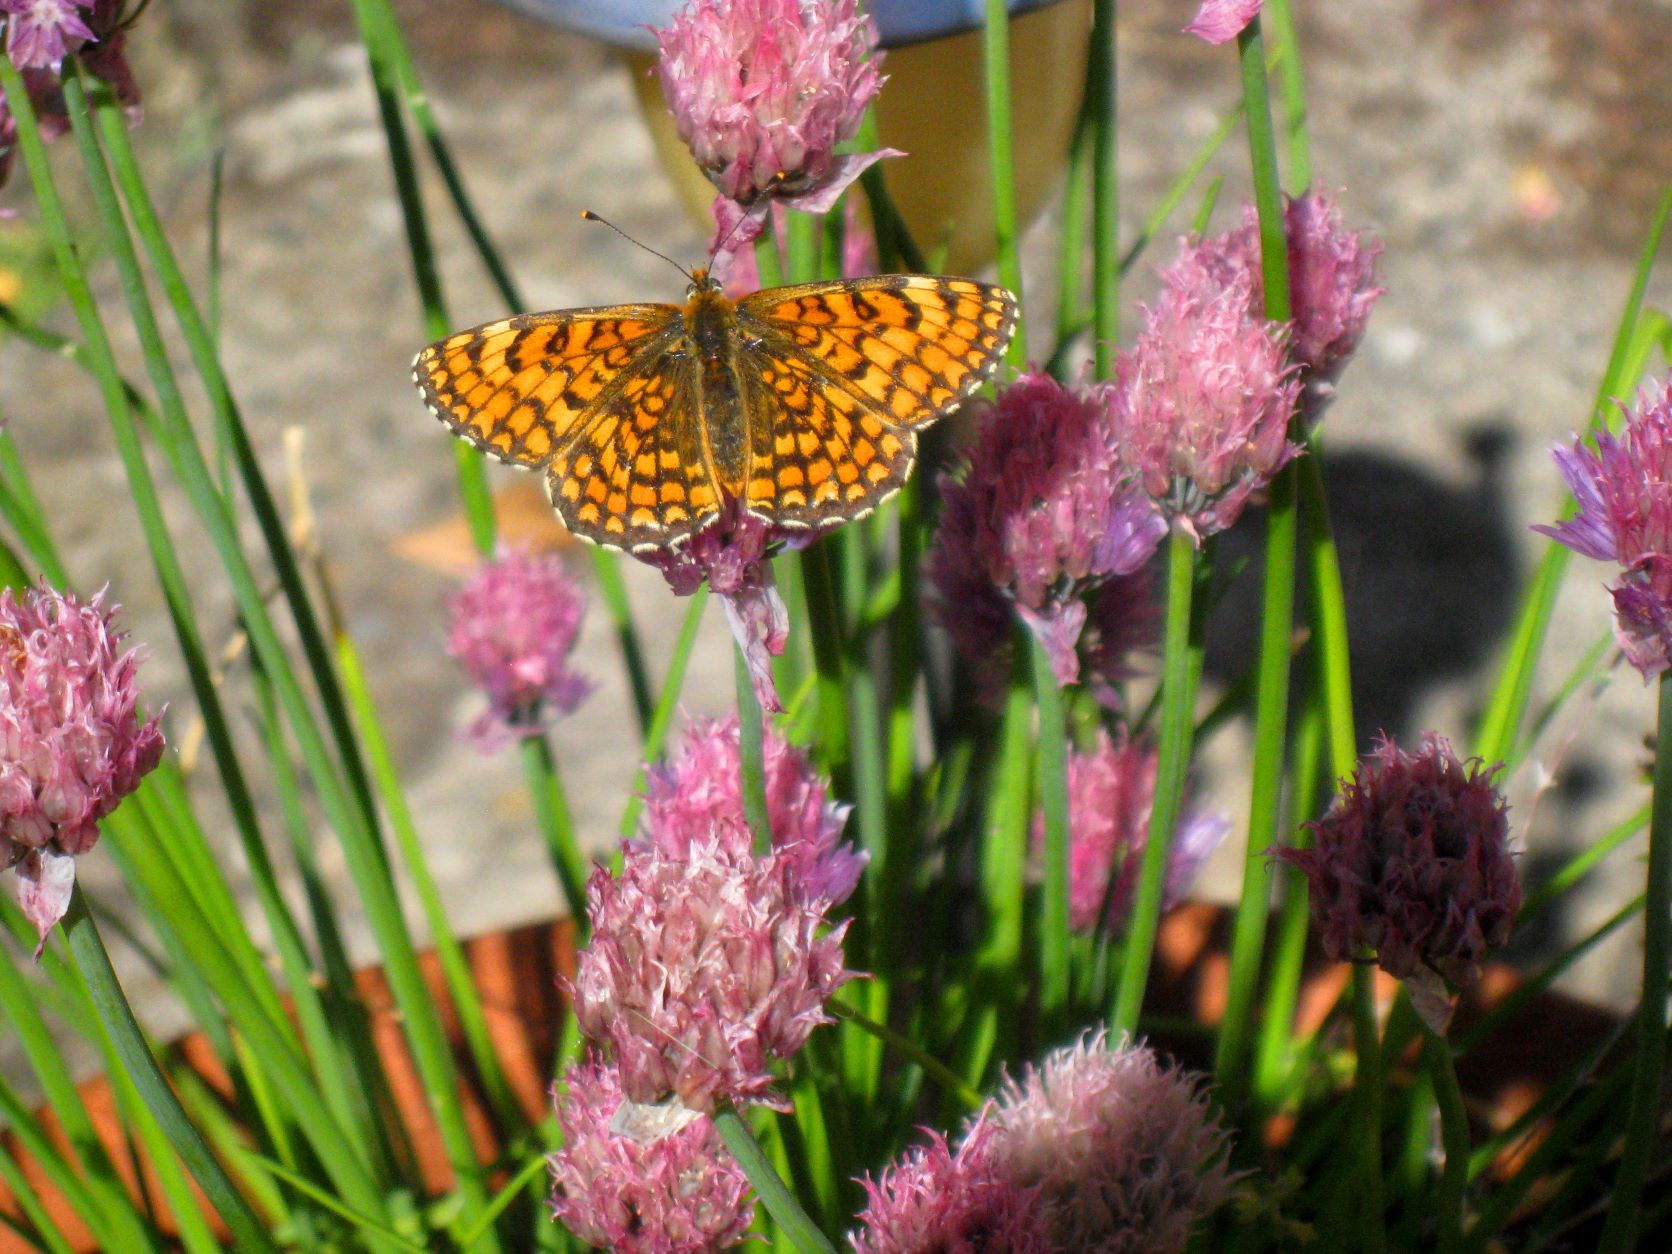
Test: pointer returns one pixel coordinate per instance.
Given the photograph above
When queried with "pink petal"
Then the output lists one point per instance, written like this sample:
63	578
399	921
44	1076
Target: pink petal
760	623
45	879
844	170
1220	21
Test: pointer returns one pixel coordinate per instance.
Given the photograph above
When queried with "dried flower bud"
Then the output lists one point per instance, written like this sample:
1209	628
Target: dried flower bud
1110	794
71	746
1204	396
1624	490
762	91
703	967
512	628
682	1193
698	796
1411	864
1040	512
1126	1153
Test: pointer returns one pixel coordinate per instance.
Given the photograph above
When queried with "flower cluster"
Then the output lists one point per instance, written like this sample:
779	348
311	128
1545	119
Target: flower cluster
512	629
71	746
1411	863
708	961
1038	513
762	91
1204	396
1111	790
1100	1151
680	1193
38	35
1624	491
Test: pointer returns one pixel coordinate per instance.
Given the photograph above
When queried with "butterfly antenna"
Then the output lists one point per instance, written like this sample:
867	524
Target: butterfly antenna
592	217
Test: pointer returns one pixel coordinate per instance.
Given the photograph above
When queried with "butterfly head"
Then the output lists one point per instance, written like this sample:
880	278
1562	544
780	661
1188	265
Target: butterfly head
701	281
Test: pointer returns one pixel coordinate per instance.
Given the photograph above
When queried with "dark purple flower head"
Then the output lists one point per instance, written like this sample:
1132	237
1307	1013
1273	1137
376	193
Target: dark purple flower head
681	1193
1411	864
1040	512
1220	21
935	1201
1624	491
1127	1155
731	556
697	797
41	33
513	627
762	91
1110	792
1204	397
703	967
71	746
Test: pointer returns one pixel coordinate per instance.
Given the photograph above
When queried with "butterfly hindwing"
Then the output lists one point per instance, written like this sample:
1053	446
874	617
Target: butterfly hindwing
520	387
914	345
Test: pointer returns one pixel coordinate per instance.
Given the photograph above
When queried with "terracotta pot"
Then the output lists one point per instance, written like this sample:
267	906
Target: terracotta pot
517	972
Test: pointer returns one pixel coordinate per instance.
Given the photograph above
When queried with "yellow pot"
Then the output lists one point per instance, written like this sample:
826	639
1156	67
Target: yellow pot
932	108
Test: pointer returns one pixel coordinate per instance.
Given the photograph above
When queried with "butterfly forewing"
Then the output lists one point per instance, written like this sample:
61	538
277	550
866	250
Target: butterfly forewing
519	387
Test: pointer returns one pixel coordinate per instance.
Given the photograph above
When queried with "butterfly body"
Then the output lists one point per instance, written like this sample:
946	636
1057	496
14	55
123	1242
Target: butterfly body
801	403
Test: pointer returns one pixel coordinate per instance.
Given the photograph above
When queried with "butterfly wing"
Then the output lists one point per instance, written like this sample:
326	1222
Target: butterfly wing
840	376
520	388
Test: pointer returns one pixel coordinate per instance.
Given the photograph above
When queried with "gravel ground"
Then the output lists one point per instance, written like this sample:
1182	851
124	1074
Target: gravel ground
1507	154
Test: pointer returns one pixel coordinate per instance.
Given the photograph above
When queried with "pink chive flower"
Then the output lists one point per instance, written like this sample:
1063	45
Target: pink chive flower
1624	491
762	91
1332	286
71	745
1220	21
1123	621
681	1193
41	33
731	555
697	797
1111	790
936	1201
1411	864
1038	513
512	628
732	246
1126	1154
1204	396
704	967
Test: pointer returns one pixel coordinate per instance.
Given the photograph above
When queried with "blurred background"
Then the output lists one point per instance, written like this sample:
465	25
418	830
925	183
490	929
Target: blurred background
1508	153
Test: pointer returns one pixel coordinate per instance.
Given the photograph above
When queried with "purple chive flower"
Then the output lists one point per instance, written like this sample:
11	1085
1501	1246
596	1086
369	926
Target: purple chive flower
762	91
1411	864
41	33
1204	397
1220	21
1039	512
680	1193
1110	793
1624	491
704	966
935	1201
1125	1152
71	746
698	797
731	556
513	627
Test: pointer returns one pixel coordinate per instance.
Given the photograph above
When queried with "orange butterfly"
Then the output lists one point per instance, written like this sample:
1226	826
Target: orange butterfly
802	403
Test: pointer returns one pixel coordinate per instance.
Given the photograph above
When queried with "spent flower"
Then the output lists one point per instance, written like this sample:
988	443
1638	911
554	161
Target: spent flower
1220	21
1411	864
41	33
71	743
698	796
1204	396
762	92
1126	1153
1039	512
1624	491
704	966
513	626
1111	791
681	1193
